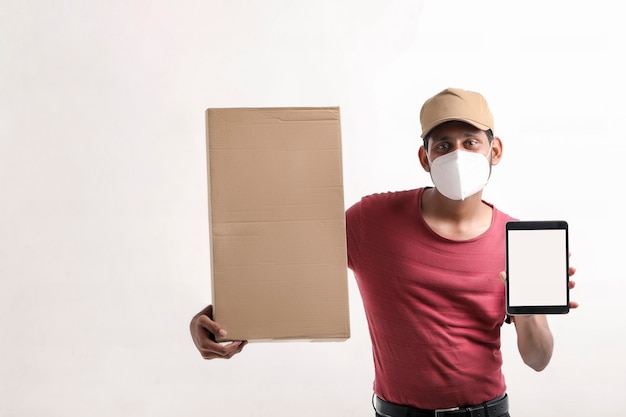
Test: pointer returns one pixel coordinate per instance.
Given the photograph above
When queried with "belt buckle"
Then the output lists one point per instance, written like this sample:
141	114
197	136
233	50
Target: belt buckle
442	411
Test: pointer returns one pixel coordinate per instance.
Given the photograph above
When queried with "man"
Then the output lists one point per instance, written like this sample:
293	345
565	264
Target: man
428	265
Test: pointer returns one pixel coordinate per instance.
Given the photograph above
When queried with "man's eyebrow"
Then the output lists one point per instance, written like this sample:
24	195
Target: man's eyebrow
448	137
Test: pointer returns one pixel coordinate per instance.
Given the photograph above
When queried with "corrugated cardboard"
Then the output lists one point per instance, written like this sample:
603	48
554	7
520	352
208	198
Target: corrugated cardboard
277	223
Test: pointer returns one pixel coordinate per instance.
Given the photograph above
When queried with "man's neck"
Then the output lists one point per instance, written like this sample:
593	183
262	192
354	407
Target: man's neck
456	220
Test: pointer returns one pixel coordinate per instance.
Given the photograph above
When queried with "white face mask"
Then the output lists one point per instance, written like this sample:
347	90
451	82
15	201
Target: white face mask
460	174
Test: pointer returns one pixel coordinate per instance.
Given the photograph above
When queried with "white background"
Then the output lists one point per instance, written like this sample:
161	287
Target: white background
104	252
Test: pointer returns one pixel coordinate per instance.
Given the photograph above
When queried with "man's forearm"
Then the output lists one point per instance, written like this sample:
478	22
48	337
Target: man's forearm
534	341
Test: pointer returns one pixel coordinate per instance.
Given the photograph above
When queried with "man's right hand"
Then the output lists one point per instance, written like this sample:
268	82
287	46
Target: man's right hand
203	330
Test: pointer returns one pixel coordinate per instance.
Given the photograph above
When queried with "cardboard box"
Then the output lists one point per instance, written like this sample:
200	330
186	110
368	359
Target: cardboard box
277	223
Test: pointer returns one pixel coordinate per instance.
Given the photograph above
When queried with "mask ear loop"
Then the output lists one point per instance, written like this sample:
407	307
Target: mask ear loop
489	155
430	163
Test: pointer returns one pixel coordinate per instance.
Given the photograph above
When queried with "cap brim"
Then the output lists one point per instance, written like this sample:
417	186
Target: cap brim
436	123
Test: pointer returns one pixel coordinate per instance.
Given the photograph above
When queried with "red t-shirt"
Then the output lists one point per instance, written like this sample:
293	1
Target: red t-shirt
434	306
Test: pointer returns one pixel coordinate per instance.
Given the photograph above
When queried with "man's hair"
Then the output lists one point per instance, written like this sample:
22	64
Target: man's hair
488	132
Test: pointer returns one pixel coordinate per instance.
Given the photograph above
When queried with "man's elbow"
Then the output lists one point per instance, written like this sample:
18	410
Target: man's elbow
538	362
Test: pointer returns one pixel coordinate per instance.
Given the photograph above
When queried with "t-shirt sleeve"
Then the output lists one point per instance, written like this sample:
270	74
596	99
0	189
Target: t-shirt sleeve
353	234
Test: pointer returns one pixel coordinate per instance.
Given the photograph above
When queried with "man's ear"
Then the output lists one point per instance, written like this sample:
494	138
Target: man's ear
423	157
496	150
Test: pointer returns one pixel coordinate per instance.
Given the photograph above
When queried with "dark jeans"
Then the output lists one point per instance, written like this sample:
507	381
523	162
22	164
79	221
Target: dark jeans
503	415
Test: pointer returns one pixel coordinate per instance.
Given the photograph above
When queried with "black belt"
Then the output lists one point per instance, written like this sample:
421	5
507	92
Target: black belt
493	408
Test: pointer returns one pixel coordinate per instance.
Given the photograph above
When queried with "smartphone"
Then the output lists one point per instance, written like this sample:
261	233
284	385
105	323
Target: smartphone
537	264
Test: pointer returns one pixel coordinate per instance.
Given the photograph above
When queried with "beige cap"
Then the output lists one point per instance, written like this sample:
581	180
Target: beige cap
455	104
